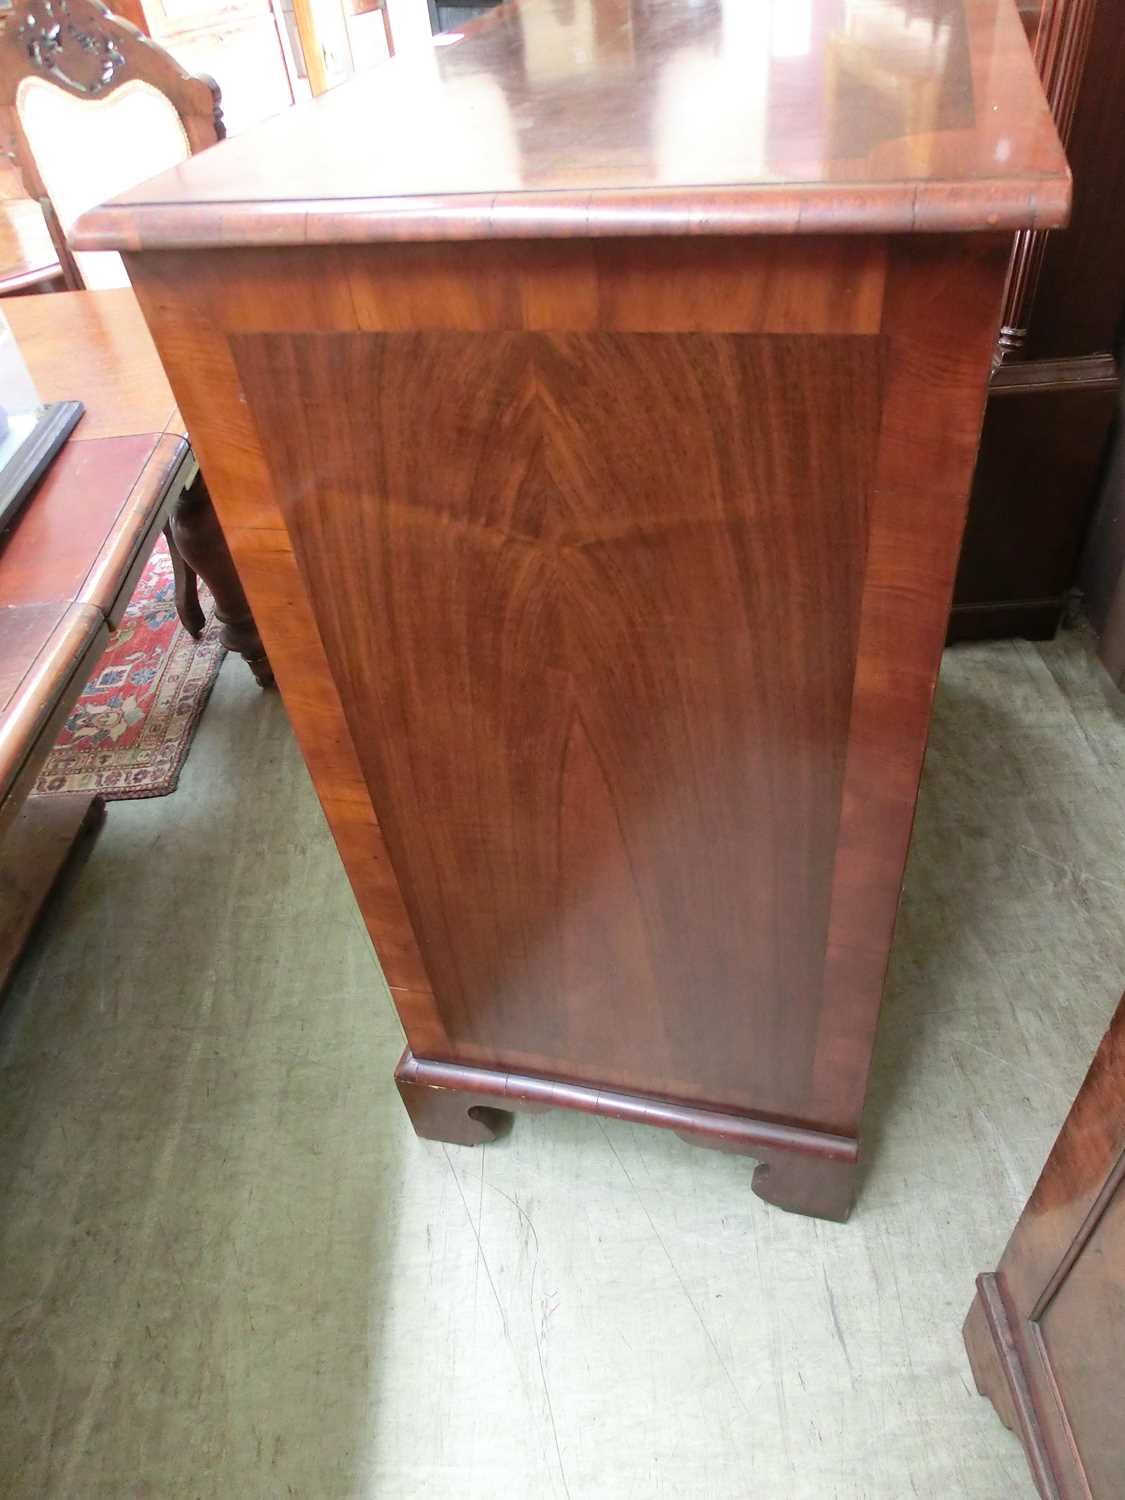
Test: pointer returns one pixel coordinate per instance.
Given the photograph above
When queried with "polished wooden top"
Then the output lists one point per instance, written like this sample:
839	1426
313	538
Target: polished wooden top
610	117
95	347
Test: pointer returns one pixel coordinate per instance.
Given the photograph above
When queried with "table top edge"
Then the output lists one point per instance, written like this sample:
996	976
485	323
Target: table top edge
892	208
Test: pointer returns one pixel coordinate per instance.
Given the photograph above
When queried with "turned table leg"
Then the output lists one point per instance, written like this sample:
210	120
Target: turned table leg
186	582
198	536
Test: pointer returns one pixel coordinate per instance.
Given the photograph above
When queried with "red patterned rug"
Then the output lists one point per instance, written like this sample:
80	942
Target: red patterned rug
130	732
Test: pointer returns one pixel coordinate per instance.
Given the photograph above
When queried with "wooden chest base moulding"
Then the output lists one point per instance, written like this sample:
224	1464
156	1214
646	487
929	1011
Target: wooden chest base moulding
599	501
1046	1330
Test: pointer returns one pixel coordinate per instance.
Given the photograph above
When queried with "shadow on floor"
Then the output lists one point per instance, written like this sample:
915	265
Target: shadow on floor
194	1171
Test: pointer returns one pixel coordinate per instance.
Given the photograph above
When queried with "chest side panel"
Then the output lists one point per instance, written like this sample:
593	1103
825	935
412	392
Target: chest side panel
592	603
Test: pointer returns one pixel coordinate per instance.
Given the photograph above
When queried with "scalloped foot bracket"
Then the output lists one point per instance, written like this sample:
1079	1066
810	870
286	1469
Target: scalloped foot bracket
804	1171
823	1186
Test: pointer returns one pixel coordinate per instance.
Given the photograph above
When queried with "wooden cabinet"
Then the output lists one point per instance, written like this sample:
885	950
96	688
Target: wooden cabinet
598	488
1046	1331
1053	399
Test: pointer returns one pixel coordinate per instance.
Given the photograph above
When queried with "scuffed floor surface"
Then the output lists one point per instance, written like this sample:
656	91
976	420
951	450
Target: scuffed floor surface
228	1270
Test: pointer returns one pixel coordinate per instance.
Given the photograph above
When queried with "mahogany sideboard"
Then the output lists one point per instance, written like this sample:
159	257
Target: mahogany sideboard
1046	1331
591	405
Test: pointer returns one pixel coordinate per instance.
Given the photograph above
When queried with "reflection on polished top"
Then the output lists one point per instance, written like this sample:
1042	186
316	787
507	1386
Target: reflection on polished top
564	117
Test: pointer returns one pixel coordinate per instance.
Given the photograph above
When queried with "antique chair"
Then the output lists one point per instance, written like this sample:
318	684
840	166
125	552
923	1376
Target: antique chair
92	107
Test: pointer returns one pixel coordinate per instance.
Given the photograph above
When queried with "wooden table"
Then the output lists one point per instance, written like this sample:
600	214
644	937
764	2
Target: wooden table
70	564
27	257
596	460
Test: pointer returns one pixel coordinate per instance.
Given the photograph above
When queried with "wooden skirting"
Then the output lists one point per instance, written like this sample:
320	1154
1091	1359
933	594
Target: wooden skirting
452	1102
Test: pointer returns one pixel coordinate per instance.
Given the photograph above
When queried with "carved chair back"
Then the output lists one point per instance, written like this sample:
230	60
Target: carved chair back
91	107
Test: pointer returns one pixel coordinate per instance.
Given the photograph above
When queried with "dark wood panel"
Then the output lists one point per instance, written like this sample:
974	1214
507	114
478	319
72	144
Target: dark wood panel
1066	296
1031	620
1080	300
597	665
1044	440
1061	42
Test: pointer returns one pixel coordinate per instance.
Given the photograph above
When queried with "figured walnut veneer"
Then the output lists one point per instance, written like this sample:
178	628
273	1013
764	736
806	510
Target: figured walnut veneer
597	666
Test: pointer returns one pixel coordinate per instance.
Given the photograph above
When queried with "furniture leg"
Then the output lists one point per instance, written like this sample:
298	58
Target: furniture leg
1001	1375
198	536
820	1187
802	1171
984	1361
440	1114
71	275
34	850
186	578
